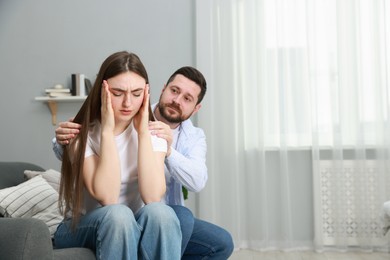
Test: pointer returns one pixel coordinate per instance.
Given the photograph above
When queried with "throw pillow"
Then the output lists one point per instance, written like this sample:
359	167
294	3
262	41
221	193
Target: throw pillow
34	198
52	177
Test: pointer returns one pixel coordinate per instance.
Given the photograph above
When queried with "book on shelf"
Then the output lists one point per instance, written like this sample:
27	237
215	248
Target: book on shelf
78	85
88	86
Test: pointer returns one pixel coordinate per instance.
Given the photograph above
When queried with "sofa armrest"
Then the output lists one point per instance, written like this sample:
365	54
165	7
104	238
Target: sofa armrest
12	173
24	238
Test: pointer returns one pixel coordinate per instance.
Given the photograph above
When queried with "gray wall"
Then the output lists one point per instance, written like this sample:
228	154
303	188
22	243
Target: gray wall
42	42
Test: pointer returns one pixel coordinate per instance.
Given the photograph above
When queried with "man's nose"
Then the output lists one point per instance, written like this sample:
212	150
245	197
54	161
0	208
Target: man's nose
177	99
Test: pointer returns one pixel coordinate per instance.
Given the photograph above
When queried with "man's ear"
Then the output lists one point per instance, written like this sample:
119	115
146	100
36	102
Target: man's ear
197	107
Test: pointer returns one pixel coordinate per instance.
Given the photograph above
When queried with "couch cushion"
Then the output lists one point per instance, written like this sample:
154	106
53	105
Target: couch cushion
52	177
12	173
34	198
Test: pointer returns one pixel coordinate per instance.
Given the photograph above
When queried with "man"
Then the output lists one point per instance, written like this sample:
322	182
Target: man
185	164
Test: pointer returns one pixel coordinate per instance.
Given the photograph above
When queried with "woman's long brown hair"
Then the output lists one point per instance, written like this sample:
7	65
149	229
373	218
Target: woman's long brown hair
71	186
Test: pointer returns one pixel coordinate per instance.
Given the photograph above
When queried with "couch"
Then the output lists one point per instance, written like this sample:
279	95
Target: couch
28	237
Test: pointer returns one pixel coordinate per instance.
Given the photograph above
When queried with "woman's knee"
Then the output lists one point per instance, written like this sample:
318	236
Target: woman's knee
118	216
161	214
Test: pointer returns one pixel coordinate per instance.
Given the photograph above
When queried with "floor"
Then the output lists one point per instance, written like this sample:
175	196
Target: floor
306	255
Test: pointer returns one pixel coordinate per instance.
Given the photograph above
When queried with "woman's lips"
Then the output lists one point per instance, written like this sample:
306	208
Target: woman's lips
126	112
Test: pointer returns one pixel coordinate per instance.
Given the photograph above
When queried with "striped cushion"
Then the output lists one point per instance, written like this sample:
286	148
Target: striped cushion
34	198
52	177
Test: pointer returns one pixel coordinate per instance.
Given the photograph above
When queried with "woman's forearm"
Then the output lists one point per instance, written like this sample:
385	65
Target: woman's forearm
151	179
106	177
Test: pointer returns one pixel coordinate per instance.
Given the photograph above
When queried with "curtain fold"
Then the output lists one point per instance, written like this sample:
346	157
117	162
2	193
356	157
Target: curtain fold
296	119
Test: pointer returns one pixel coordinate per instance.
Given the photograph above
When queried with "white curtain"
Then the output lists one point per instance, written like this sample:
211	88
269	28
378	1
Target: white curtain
297	121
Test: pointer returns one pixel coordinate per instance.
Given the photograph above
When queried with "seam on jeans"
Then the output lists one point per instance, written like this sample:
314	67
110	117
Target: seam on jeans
139	227
98	238
144	252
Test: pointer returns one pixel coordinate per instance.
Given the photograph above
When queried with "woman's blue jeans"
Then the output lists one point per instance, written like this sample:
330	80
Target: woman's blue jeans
114	232
201	239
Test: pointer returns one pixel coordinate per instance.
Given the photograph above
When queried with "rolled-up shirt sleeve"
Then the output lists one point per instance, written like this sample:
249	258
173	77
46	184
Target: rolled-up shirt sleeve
57	149
188	165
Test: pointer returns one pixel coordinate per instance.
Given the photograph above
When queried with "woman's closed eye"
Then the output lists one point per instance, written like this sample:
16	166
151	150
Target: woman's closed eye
137	93
117	94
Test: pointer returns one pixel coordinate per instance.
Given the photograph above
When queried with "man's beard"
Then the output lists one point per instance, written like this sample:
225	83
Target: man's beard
171	119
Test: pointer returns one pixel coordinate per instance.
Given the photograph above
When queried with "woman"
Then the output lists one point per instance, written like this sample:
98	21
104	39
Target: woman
113	172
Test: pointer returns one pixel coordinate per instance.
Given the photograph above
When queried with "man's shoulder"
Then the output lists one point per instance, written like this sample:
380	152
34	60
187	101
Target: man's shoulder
189	128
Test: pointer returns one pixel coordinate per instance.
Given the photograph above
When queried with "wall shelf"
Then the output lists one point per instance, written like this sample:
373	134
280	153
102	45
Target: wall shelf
52	103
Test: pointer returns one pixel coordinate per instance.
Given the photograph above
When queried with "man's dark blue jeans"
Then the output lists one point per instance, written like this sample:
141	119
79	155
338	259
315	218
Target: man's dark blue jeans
201	239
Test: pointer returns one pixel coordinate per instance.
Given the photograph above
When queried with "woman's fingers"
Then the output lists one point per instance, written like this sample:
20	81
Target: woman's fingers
106	109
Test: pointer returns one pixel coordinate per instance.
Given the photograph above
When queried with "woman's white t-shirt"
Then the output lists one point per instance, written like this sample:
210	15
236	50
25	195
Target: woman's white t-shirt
127	145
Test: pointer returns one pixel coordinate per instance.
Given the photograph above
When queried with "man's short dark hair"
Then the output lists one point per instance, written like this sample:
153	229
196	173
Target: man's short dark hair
194	75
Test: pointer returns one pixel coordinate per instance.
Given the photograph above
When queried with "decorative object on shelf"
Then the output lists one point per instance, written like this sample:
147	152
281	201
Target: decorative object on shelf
58	91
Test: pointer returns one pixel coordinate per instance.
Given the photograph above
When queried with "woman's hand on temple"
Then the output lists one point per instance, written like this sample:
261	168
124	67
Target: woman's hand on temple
108	120
141	119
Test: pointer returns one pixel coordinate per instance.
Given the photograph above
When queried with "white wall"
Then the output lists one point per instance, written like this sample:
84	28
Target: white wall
42	42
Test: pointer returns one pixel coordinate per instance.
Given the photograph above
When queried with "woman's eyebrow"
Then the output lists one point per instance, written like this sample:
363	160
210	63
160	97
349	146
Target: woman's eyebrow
137	89
118	89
